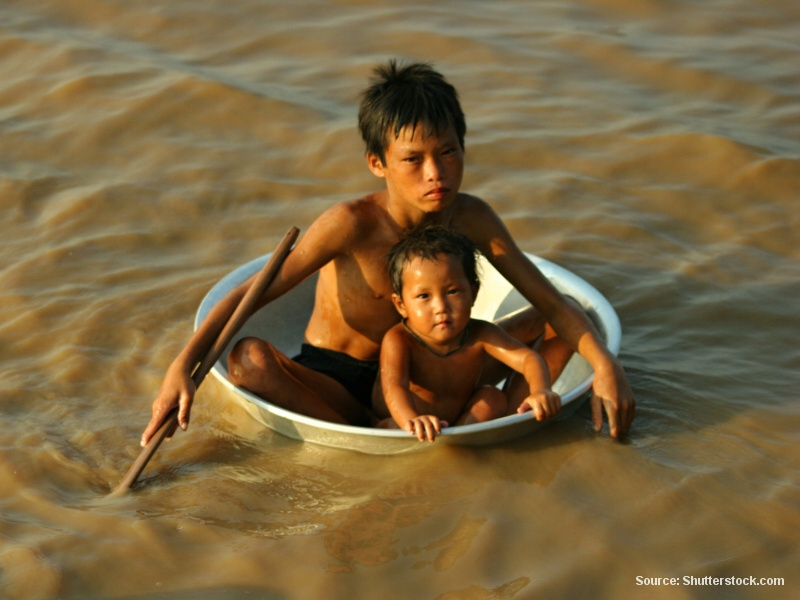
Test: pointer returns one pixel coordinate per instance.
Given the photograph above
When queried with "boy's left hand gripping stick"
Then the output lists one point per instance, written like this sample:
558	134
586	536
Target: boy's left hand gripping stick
232	327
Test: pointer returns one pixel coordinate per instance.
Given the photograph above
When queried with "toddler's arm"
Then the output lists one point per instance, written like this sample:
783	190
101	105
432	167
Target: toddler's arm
395	386
544	402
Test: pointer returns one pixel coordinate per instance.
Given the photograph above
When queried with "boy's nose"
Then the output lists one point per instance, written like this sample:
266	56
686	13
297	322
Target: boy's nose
433	169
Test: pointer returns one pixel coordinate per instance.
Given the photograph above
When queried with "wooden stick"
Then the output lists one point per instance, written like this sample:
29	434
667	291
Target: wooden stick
235	322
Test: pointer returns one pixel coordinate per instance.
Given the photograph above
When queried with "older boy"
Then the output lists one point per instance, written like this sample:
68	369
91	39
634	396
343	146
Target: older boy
431	362
413	126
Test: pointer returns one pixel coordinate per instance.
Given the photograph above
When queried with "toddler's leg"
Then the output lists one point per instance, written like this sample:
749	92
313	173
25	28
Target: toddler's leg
486	403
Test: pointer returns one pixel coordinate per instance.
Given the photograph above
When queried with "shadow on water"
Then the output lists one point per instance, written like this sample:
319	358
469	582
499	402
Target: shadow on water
227	592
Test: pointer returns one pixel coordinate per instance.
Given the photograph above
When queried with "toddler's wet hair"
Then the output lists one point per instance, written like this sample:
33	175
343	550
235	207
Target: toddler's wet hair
428	242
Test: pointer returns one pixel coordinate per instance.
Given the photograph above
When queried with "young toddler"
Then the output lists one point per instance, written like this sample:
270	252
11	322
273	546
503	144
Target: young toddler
430	362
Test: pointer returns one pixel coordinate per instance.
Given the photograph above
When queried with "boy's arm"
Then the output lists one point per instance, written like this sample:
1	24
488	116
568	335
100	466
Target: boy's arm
395	385
177	388
321	243
611	390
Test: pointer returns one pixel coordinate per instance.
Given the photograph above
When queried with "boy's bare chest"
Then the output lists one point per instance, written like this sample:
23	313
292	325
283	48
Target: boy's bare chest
364	274
354	296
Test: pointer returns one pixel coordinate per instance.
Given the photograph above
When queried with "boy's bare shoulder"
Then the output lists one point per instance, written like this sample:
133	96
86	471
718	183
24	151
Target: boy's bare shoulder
469	205
360	214
348	226
476	219
472	212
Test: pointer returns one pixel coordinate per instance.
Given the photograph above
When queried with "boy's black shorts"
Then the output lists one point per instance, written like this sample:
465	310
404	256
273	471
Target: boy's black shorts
357	376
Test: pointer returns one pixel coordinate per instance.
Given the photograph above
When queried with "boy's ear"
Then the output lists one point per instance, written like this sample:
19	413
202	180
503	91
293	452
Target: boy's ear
475	289
398	304
375	165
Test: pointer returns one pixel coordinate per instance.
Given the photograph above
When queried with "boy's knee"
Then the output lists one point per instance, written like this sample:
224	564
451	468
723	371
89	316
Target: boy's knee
525	325
247	355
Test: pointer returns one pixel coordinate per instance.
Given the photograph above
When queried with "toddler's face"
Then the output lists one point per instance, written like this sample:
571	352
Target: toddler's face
436	299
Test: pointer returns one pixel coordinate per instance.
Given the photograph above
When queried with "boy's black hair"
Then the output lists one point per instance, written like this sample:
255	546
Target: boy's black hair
411	95
428	242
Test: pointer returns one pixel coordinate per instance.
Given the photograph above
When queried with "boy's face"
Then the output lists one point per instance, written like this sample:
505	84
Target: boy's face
436	299
421	173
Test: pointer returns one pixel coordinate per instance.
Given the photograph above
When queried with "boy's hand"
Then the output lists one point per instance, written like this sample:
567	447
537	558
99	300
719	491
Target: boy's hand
425	427
612	393
177	390
543	403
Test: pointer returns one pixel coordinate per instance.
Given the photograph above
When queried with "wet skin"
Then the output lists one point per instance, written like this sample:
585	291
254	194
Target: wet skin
431	365
353	307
